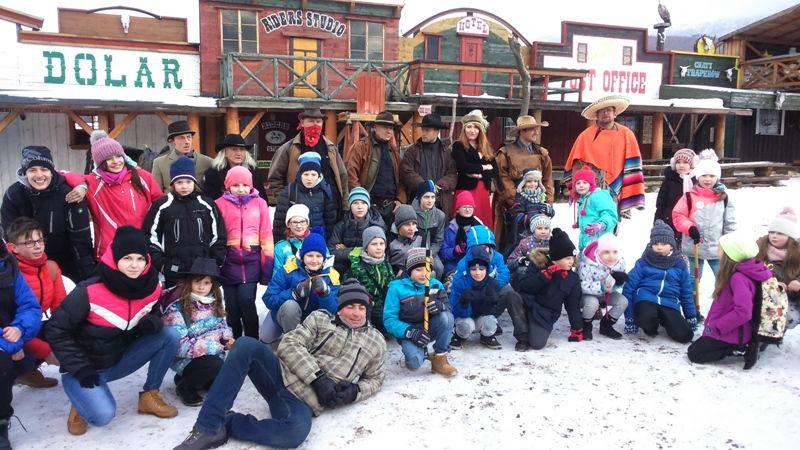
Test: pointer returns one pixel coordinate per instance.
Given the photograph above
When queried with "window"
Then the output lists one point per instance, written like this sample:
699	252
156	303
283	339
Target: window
78	138
239	31
432	47
582	50
366	40
627	56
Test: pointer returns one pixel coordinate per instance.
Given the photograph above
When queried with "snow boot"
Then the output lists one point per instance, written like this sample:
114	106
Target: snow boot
490	342
188	395
36	379
75	423
587	330
522	346
200	440
499	331
150	402
440	365
456	342
607	328
5	444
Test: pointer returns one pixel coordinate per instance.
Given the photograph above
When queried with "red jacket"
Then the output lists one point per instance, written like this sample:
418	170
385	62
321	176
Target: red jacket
44	278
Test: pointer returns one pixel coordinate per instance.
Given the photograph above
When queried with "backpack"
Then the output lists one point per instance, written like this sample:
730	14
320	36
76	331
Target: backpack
770	304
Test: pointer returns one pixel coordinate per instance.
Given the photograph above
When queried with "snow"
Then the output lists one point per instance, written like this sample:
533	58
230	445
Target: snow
708	103
636	393
110	94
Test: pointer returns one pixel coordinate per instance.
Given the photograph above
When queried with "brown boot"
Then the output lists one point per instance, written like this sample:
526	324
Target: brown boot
440	365
36	379
75	423
150	402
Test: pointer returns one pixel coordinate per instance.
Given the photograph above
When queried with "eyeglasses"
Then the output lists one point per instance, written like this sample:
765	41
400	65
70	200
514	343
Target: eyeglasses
297	222
467	207
32	243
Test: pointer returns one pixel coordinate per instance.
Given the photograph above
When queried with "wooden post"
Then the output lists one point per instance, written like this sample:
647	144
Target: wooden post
537	114
232	121
119	128
415	131
6	121
210	135
657	145
254	121
330	126
104	123
194	124
81	123
164	118
719	136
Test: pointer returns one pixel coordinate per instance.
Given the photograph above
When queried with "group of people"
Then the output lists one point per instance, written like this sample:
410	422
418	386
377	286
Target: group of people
362	249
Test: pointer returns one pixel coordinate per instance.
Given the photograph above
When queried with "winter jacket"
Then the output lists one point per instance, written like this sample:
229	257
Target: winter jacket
348	231
544	298
398	249
729	318
523	250
468	161
44	278
670	192
93	327
203	333
363	163
284	250
68	239
593	272
497	268
431	225
161	166
480	299
374	277
672	287
281	289
323	343
711	213
18	305
114	206
596	206
284	166
527	206
405	303
182	229
214	181
319	199
249	257
512	160
447	251
410	173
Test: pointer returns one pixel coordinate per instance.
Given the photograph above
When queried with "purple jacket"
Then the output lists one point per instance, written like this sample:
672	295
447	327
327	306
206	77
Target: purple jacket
729	317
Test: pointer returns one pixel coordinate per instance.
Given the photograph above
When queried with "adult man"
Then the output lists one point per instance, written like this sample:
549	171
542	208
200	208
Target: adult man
512	160
610	149
309	139
322	364
179	138
231	152
374	164
430	159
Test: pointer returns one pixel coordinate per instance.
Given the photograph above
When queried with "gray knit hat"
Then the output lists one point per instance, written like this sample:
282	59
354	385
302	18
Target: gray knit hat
351	291
415	258
529	175
662	234
372	233
403	215
540	220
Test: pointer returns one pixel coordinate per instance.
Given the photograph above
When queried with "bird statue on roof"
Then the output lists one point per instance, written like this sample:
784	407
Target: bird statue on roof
664	13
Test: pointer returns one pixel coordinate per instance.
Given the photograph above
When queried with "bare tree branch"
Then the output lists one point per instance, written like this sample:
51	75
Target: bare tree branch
525	77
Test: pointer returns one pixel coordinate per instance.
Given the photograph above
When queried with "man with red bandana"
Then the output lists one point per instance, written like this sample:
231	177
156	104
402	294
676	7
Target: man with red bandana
284	165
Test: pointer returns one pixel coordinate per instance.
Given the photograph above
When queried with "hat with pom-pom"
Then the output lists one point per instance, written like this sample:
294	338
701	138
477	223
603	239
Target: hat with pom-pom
785	222
586	174
707	164
104	147
686	155
560	245
661	233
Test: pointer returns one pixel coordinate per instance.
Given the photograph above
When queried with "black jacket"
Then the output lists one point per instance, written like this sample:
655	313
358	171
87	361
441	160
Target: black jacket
214	182
544	297
468	161
319	199
348	231
669	193
65	225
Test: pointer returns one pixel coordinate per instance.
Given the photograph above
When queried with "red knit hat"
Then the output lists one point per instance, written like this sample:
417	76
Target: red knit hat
463	198
585	174
238	174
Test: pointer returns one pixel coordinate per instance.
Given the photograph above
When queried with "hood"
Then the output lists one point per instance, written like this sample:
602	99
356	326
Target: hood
670	174
754	269
108	259
480	235
590	252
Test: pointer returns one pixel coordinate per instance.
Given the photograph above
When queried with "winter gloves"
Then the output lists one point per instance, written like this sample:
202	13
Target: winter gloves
619	277
331	394
302	290
314	285
630	326
593	229
418	336
346	392
460	249
320	287
87	377
575	335
692	321
150	324
694	233
435	306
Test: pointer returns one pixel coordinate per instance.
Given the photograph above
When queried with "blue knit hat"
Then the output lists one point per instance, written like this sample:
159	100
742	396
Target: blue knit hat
309	161
358	193
424	187
183	167
314	242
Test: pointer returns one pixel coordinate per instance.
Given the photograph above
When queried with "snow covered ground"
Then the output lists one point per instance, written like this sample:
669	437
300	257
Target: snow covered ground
637	393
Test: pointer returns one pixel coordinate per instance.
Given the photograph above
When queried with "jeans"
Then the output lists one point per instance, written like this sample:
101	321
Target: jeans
9	371
240	309
713	263
291	417
96	405
440	327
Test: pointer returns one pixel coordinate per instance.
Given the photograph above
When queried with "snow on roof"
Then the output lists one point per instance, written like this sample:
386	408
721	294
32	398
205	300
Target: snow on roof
705	103
724	89
111	95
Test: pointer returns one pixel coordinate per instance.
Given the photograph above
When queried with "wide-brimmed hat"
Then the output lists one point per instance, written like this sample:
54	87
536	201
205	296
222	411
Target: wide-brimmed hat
178	127
432	121
385	118
311	114
619	103
232	140
203	267
525	122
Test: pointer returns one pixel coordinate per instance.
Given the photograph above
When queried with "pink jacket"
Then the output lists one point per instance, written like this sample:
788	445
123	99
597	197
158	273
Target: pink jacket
713	215
249	230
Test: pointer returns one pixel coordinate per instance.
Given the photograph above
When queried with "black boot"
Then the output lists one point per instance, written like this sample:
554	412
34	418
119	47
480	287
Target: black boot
4	443
188	395
200	440
490	342
499	331
456	342
522	345
607	328
587	330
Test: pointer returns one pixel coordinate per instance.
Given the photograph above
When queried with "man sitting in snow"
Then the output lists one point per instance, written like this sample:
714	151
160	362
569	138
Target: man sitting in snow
326	362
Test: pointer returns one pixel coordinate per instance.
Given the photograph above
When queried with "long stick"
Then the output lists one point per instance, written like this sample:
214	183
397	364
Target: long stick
697	278
426	298
452	119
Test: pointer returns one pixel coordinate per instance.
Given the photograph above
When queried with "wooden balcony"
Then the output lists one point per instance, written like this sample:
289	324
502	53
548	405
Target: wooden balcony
778	72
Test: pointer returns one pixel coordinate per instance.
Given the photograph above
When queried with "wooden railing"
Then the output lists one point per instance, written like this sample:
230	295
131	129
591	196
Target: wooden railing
779	72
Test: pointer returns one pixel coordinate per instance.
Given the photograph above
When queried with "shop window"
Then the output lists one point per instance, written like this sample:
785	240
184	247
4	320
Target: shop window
239	31
433	47
582	51
366	40
78	138
627	55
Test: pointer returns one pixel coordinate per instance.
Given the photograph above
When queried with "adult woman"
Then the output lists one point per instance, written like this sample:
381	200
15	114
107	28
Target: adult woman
231	152
475	164
106	330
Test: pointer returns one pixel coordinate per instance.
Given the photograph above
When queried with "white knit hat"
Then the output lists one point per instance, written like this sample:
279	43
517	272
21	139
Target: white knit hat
708	164
297	210
786	222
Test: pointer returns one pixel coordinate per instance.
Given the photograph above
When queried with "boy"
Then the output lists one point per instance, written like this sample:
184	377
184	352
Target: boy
430	219
347	233
310	189
405	227
473	300
369	266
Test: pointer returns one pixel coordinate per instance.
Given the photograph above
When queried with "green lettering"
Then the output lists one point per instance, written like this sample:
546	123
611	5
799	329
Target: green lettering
110	81
144	71
81	80
50	78
171	67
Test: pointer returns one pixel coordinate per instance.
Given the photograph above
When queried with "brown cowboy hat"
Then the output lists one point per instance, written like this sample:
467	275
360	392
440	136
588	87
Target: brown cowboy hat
618	102
385	118
311	114
525	122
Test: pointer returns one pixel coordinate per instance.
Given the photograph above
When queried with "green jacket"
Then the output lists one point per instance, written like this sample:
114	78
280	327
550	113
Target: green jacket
374	278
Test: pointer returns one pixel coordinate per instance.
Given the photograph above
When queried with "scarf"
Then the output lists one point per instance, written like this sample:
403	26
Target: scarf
372	260
464	223
38	262
240	200
343	323
688	183
533	195
112	179
775	253
661	261
311	135
128	288
202	299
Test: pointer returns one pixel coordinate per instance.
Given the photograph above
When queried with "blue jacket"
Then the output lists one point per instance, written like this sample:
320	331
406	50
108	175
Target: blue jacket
447	251
670	287
25	313
282	285
596	206
403	306
481	300
480	235
284	251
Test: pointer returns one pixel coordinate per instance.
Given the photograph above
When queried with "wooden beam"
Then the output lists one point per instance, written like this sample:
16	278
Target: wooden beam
122	125
232	121
6	121
719	136
81	123
193	119
331	131
253	122
415	131
210	138
657	144
104	123
164	118
537	114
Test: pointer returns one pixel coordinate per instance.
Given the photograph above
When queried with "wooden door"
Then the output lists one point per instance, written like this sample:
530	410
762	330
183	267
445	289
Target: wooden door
304	47
471	53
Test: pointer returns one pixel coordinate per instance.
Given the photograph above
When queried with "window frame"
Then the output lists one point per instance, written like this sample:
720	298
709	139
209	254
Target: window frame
629	50
366	39
239	30
584	53
73	129
425	46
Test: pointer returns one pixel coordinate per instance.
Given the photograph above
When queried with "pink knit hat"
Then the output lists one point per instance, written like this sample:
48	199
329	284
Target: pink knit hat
607	242
686	155
238	174
104	147
786	223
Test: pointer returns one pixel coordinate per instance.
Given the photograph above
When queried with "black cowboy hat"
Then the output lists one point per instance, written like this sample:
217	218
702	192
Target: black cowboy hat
232	140
311	114
203	267
178	127
432	121
385	118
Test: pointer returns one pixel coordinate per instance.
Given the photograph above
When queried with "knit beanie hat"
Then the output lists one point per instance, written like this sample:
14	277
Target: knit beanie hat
738	246
237	175
309	161
104	147
686	155
35	155
403	215
297	210
560	245
607	242
314	242
539	220
707	164
128	240
529	175
786	222
463	198
661	233
586	174
425	187
476	116
478	255
358	193
370	234
415	258
351	291
182	167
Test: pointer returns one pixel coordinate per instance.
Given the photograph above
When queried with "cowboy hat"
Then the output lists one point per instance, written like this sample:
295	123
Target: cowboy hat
311	114
203	267
232	140
432	121
618	102
525	122
177	128
385	118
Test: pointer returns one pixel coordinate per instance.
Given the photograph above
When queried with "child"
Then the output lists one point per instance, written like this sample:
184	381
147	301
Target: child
544	293
529	201
183	225
194	309
405	227
368	265
305	283
347	233
523	255
430	219
728	326
602	273
473	300
20	322
310	189
403	316
780	251
26	242
454	246
596	212
297	228
678	180
659	286
248	260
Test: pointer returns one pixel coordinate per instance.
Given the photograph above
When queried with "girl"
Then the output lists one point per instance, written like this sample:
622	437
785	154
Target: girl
194	309
524	254
454	246
368	265
476	165
297	228
596	212
602	272
530	200
780	251
248	260
348	232
184	225
728	327
678	180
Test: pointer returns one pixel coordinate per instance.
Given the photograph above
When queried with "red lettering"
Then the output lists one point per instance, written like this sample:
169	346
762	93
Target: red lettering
642	77
590	76
635	81
607	83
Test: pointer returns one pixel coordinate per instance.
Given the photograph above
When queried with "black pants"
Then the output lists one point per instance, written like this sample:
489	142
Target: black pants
385	208
9	371
537	335
240	309
201	372
649	316
706	350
